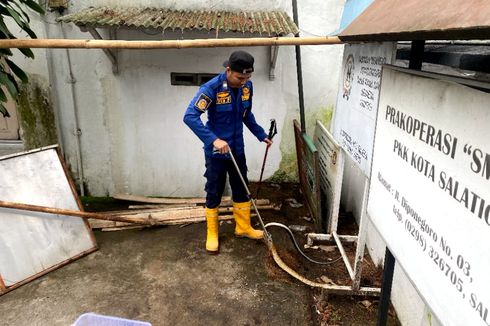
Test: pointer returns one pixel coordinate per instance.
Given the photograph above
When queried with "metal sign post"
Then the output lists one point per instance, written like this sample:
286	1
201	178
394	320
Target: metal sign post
416	59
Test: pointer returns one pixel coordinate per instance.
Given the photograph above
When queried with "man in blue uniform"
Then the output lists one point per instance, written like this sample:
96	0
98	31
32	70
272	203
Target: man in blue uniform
227	99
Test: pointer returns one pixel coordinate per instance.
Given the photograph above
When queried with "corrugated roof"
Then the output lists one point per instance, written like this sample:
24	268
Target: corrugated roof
421	20
270	23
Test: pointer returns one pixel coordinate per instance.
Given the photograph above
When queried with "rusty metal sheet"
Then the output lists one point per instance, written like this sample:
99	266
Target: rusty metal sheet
309	173
420	20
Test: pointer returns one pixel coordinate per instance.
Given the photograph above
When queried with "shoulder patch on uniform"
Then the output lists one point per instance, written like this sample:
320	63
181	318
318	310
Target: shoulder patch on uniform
203	102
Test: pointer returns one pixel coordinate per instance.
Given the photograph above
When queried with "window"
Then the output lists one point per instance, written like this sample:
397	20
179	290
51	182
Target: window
204	78
183	79
190	79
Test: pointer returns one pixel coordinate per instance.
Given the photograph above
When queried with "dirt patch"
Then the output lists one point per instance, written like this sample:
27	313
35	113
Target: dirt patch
327	309
274	271
347	310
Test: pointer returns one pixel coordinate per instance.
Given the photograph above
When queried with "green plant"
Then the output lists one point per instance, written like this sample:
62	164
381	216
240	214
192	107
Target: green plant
15	9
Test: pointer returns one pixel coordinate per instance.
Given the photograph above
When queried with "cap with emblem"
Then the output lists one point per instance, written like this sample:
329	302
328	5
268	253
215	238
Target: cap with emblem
240	61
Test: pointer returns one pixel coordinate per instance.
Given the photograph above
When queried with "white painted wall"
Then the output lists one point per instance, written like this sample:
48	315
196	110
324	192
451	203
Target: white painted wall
133	139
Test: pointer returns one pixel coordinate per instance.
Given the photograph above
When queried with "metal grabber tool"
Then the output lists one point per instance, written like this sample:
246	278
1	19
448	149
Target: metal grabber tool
272	133
267	236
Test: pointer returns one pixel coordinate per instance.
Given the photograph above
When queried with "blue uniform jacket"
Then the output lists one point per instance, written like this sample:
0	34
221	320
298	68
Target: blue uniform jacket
226	112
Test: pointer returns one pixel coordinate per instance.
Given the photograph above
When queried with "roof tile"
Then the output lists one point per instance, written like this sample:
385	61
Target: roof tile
272	23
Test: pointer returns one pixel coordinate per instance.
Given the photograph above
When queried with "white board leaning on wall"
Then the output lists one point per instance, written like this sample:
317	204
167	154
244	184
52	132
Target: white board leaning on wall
357	100
430	189
33	243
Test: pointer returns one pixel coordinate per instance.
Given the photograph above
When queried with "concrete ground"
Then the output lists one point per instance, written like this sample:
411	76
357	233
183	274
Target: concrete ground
163	276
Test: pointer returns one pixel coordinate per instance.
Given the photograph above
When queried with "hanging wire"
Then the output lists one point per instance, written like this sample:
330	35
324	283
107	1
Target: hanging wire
310	34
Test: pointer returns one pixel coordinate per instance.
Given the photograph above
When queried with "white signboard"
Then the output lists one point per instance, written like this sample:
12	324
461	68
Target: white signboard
33	243
331	162
430	190
357	100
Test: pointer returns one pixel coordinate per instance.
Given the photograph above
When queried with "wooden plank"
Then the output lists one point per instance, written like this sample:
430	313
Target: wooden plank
123	228
152	200
3	288
99	224
112	225
224	203
153	206
178	213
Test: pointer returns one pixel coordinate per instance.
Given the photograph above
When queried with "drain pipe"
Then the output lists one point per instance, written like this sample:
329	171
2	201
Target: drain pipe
52	81
299	71
77	131
57	106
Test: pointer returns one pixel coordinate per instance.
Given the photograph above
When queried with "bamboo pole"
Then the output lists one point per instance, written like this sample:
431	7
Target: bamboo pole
155	218
68	212
167	44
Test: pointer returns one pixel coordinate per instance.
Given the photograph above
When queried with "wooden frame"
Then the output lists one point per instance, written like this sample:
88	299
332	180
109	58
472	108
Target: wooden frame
93	247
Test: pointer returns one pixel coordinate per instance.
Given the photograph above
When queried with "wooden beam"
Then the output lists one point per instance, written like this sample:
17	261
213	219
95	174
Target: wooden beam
154	200
160	217
167	44
176	214
68	212
224	203
3	288
98	224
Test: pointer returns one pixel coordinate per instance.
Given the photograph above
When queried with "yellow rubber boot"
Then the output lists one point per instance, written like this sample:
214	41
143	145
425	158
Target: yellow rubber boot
241	213
212	245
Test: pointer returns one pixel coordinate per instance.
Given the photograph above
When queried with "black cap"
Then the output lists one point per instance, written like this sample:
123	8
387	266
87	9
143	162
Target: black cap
240	61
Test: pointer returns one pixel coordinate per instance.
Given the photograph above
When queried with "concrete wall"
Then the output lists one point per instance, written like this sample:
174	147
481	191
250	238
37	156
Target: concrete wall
35	111
124	132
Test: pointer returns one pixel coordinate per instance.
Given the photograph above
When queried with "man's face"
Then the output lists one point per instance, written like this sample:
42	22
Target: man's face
236	79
